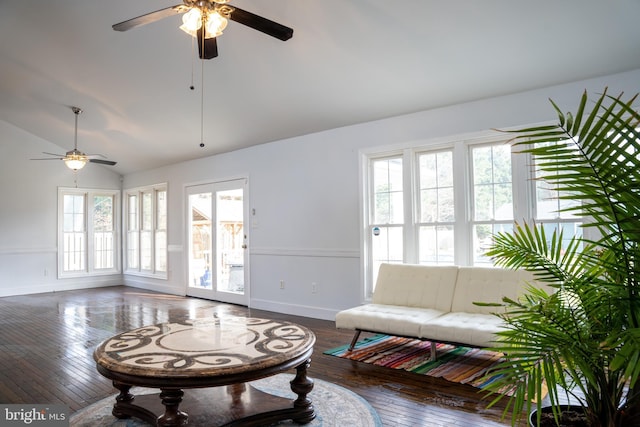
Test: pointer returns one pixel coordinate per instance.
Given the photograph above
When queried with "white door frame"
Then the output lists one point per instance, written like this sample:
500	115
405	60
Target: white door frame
213	186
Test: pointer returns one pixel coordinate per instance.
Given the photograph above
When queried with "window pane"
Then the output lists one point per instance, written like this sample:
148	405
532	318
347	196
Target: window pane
133	253
436	245
482	239
161	210
492	186
146	255
145	250
483	202
548	200
482	165
103	250
147	211
436	187
387	247
74	252
133	212
161	251
569	230
103	213
73	240
161	231
445	205
387	189
429	205
103	238
73	212
502	202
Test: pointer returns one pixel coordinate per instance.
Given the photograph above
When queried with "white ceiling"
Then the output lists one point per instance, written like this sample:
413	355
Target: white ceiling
348	62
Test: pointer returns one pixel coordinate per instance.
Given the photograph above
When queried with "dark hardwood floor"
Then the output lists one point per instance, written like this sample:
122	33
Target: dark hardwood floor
47	341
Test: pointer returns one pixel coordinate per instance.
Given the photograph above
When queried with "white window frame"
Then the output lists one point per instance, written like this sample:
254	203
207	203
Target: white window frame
89	253
523	193
138	269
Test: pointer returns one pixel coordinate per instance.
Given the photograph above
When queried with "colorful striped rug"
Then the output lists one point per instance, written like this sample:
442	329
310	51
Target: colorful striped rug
463	365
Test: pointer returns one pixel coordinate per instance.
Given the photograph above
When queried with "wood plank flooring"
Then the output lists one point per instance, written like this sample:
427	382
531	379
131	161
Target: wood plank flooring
47	342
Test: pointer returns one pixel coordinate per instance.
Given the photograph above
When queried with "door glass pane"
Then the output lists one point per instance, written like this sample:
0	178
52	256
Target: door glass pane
230	240
200	209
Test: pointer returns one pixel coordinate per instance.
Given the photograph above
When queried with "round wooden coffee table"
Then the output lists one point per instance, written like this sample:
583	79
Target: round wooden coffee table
197	354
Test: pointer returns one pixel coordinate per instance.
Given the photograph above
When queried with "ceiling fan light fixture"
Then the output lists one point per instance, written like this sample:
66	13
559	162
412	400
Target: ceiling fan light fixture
75	161
192	21
214	22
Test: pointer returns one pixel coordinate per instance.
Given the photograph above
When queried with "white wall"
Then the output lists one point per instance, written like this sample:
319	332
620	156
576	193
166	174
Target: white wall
305	192
28	213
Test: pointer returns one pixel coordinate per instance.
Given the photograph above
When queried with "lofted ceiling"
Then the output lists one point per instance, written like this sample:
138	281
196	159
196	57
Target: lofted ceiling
348	62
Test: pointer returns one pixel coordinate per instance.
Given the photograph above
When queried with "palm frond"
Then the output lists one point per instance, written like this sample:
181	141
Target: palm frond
585	336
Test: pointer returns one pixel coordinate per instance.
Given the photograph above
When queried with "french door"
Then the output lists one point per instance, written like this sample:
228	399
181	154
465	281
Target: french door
217	255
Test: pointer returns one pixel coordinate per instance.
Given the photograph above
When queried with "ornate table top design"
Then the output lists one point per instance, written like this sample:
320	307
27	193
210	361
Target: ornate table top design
204	347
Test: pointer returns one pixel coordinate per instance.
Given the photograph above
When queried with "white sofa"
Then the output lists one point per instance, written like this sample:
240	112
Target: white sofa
436	303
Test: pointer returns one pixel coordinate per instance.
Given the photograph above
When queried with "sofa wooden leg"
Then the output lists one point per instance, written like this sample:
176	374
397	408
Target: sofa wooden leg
354	340
433	351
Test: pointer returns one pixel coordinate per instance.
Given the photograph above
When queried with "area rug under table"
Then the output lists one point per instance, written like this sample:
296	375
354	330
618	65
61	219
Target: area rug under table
462	365
335	406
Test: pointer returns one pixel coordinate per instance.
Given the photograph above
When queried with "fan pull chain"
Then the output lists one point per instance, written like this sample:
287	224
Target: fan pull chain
202	37
193	60
202	104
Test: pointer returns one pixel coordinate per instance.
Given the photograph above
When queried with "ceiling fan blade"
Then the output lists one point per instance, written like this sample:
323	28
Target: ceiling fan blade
103	162
53	154
207	48
50	158
150	17
261	24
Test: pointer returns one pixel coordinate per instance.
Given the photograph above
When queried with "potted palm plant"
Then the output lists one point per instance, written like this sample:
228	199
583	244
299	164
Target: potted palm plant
576	331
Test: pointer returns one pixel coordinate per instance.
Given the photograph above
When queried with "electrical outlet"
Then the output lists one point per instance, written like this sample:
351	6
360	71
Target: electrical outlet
314	287
281	284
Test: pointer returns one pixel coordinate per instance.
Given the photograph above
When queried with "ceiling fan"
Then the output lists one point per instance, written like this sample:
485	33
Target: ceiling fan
205	20
75	159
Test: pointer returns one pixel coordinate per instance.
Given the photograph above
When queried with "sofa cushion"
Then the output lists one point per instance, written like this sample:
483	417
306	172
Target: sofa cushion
415	286
473	329
389	319
481	284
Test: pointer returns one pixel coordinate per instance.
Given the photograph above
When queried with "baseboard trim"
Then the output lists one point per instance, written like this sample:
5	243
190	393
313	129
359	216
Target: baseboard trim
294	309
60	286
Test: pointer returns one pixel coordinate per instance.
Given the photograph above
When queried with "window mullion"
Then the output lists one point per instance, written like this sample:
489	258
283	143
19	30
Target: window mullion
464	207
524	187
410	196
88	232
